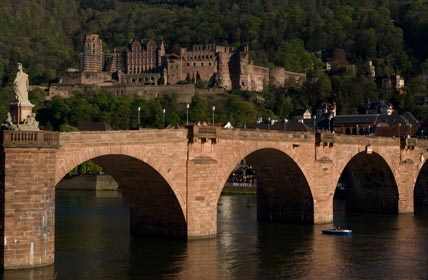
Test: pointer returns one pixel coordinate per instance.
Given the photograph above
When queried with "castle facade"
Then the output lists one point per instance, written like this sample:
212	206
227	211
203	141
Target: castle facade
145	63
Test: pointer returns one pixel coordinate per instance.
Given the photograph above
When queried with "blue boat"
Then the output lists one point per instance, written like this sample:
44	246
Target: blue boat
337	231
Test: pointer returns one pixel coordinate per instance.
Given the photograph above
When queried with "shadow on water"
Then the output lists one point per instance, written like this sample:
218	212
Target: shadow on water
93	234
153	258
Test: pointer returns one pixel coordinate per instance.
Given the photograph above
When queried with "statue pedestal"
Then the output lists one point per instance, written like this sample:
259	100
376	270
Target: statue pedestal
20	111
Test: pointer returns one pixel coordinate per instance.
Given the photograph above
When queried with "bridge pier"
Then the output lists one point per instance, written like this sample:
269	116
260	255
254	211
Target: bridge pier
29	207
405	176
27	185
323	185
202	197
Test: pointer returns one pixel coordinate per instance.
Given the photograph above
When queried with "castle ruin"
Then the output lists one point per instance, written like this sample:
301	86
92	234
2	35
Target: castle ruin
145	64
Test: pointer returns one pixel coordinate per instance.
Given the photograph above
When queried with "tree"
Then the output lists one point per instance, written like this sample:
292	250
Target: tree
199	111
239	112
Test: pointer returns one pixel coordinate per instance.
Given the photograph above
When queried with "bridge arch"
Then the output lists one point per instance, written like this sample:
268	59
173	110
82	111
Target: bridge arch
156	206
283	193
369	184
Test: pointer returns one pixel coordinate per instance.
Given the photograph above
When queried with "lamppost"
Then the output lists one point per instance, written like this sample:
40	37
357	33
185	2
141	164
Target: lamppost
399	130
315	119
138	119
268	123
285	124
163	119
356	132
213	114
187	114
410	130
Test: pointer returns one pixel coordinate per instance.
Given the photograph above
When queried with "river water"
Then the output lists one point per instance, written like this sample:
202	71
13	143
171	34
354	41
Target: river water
93	242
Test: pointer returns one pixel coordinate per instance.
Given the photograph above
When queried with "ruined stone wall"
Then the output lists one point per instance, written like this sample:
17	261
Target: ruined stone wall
258	76
224	75
279	77
84	78
64	91
140	79
200	63
184	91
175	71
71	78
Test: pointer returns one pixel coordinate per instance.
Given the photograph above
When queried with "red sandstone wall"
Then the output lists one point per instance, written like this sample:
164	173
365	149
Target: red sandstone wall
29	223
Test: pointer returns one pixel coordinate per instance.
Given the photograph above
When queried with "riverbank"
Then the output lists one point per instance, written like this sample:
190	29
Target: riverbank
230	189
88	183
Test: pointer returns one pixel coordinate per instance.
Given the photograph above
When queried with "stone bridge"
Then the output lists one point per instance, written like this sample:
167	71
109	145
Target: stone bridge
173	178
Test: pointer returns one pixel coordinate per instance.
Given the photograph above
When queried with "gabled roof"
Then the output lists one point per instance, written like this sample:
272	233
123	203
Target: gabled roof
279	125
299	112
349	119
405	119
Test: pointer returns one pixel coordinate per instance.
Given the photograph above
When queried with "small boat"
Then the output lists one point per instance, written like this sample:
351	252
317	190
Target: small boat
337	231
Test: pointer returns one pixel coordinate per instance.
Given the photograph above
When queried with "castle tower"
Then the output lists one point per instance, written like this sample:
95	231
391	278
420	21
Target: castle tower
92	56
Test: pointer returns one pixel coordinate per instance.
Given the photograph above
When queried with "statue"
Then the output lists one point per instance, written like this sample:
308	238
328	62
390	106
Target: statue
21	85
31	121
8	123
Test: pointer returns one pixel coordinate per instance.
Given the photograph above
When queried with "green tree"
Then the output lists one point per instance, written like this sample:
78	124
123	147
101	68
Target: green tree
199	109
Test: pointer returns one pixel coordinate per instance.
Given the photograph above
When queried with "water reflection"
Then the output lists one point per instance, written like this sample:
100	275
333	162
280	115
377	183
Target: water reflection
40	273
93	242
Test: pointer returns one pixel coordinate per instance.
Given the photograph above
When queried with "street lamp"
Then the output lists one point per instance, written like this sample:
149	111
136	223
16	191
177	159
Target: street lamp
164	110
285	124
410	130
399	130
268	123
213	114
315	118
138	120
187	114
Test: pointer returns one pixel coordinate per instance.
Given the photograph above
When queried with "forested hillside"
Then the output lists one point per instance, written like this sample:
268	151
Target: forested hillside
46	35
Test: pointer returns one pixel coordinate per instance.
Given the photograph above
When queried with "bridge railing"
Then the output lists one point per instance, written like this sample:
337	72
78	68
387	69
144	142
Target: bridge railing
29	139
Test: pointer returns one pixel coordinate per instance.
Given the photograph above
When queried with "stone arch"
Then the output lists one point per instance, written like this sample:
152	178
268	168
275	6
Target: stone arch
283	193
155	208
369	184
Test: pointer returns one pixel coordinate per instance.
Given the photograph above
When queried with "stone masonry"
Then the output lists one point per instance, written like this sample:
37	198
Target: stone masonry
173	178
